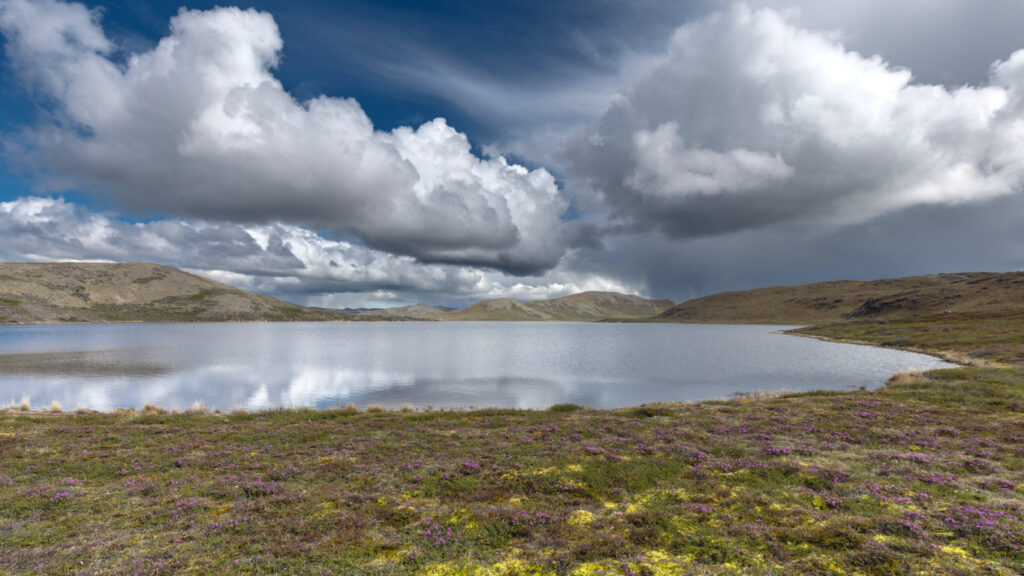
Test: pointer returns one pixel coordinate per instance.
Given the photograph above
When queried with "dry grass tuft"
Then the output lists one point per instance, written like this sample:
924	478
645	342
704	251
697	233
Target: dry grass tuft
376	408
905	376
351	407
25	405
197	408
407	408
55	407
152	409
82	410
759	395
125	411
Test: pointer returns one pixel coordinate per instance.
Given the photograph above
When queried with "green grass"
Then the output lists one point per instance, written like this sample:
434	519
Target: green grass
996	336
923	476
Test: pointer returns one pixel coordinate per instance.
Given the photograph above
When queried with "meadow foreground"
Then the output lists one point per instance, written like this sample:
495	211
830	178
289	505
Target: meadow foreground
923	476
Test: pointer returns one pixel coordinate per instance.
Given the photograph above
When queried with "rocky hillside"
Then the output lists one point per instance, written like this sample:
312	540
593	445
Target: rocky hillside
583	307
86	292
895	298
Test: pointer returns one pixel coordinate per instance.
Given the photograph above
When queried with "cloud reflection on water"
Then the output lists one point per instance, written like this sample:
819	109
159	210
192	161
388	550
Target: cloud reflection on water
520	365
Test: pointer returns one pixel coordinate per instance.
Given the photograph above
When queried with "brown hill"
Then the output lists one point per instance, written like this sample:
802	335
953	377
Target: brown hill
824	302
583	307
419	311
87	292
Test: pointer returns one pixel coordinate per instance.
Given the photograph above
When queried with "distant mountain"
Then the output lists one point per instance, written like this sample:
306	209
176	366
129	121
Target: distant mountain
419	311
87	292
894	298
586	306
496	309
140	292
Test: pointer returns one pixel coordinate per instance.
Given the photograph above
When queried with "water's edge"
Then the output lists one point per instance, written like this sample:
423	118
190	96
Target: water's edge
423	365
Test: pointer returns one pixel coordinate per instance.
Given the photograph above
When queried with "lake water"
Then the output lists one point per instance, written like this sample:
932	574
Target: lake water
439	364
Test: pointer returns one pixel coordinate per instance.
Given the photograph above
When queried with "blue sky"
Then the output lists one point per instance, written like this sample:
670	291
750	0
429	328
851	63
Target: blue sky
349	49
342	48
668	149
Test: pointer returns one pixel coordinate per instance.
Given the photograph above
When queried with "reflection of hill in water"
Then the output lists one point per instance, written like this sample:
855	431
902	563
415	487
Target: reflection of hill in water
79	363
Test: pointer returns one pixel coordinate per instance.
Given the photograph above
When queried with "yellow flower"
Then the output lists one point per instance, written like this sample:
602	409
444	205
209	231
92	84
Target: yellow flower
581	518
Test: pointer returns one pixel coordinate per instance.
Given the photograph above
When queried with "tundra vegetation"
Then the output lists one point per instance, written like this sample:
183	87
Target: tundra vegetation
922	476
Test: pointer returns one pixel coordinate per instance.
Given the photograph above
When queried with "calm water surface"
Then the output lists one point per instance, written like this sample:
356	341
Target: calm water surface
460	364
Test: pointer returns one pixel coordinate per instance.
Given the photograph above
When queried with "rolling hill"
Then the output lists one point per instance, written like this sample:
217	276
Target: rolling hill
826	302
133	292
419	311
582	307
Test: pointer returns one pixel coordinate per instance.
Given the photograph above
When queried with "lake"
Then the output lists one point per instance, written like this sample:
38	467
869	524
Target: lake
438	364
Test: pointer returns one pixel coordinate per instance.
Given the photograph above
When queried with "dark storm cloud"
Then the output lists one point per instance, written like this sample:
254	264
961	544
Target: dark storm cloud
916	241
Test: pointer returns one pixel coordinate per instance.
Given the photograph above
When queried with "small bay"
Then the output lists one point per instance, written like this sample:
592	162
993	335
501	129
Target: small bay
421	364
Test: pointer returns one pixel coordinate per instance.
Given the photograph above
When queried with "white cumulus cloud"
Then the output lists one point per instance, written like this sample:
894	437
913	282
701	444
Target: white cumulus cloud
199	126
749	120
286	260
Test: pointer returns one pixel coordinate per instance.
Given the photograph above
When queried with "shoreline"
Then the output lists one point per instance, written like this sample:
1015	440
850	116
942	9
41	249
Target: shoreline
13	406
14	409
951	356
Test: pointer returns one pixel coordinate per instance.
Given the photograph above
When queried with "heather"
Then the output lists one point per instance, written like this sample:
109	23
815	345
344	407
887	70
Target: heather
923	476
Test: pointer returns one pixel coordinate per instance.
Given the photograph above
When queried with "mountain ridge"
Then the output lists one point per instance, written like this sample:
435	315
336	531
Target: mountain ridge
144	292
67	292
583	306
850	300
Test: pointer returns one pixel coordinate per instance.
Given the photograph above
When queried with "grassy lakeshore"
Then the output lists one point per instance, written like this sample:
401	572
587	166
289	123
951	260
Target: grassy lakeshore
924	476
983	337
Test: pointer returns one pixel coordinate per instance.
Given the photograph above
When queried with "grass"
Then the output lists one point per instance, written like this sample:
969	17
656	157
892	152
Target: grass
923	476
845	300
8	301
987	336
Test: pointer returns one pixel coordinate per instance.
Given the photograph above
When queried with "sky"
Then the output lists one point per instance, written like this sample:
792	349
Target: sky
383	153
